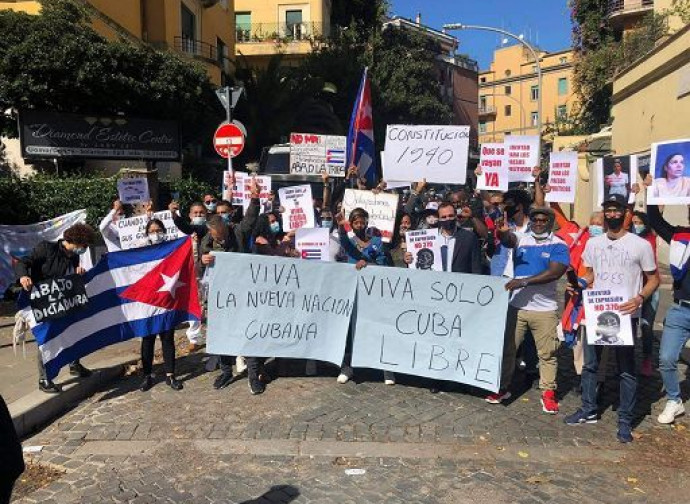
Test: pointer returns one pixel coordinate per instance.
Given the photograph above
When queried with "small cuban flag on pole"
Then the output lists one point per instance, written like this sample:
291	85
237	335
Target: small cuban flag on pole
361	150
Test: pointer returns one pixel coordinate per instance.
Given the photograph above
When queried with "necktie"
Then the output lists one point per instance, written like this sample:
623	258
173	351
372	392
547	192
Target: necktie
444	257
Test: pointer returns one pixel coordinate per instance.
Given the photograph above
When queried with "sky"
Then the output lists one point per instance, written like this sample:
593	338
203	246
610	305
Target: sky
545	23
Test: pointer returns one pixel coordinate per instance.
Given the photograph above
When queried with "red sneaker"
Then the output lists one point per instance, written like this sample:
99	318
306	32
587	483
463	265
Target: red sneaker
549	404
503	395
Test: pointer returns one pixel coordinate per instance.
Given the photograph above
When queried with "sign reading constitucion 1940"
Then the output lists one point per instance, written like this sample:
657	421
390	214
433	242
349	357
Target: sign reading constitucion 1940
436	153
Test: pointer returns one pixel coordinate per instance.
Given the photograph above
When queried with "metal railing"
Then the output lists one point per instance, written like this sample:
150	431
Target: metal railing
196	48
487	110
622	6
279	32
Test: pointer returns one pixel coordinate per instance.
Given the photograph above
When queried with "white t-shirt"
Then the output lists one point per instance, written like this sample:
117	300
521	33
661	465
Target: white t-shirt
618	264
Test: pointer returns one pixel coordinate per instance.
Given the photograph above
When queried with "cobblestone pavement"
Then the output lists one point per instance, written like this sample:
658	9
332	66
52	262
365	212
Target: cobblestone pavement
302	439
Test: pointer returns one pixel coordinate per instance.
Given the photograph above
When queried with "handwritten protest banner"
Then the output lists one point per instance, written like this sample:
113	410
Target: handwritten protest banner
447	326
299	207
277	307
132	231
604	321
523	156
57	297
493	162
562	177
133	190
381	207
264	183
436	153
313	243
392	184
314	154
425	248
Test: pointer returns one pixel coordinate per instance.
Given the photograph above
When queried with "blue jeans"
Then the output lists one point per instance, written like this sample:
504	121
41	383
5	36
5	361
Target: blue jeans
625	358
676	334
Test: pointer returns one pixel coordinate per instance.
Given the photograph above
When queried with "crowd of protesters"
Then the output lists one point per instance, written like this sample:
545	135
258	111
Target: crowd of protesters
513	234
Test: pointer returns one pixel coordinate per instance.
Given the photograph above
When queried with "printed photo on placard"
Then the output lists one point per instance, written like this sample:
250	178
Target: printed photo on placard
668	167
425	248
606	325
616	174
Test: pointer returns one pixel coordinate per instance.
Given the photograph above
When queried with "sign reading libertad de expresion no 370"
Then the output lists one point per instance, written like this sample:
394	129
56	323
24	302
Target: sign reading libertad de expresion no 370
57	135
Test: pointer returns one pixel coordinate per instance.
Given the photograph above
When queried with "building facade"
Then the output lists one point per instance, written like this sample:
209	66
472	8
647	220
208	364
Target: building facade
202	30
456	74
509	93
269	27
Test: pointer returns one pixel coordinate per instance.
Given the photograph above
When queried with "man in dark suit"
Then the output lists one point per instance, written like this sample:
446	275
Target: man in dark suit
11	458
463	244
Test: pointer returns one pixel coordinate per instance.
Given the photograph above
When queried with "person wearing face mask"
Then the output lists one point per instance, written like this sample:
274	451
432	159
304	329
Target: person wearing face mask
241	230
210	203
197	219
399	244
540	259
54	260
364	246
516	205
625	262
155	232
642	228
676	332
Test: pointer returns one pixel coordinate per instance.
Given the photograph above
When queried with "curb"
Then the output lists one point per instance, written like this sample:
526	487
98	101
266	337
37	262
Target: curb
38	408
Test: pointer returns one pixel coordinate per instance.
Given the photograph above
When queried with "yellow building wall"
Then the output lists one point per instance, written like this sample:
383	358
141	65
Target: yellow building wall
30	7
514	66
267	17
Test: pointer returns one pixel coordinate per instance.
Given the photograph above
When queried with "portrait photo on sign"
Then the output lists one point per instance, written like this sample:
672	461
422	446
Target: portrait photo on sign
668	167
616	174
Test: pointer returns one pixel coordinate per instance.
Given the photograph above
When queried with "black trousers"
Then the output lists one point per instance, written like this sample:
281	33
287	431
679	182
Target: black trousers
11	458
168	344
255	366
226	362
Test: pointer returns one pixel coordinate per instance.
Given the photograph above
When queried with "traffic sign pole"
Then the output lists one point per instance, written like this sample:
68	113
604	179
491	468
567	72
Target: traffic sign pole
229	117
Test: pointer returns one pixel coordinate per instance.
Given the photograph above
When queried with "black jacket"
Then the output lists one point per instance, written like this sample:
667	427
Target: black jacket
681	288
47	260
11	458
466	253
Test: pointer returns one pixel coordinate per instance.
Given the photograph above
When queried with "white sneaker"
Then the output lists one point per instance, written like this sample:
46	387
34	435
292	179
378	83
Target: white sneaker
310	368
343	378
240	364
672	410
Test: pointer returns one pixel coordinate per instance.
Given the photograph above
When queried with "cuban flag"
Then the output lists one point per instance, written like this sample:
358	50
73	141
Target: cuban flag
132	293
311	254
360	137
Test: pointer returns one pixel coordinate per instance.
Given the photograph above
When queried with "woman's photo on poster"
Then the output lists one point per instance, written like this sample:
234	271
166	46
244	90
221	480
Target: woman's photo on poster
668	167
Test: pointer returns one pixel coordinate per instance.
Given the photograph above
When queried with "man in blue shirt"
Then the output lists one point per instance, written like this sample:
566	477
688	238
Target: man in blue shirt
539	260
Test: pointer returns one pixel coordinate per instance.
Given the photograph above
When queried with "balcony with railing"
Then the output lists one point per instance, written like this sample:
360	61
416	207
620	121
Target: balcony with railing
618	8
487	110
198	49
250	38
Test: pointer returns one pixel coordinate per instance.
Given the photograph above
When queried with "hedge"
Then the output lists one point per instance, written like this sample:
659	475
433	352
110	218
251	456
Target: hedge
42	197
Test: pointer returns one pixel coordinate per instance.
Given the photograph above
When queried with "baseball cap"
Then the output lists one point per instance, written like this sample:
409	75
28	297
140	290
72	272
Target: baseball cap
548	211
617	199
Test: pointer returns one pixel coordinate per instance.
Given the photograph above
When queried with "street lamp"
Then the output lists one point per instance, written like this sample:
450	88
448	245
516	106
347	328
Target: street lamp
460	26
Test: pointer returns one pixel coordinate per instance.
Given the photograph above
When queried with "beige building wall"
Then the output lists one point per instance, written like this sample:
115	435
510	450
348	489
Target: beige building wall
509	83
651	103
269	34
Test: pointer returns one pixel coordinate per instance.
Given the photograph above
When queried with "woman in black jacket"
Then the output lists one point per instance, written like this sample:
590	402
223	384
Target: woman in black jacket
53	260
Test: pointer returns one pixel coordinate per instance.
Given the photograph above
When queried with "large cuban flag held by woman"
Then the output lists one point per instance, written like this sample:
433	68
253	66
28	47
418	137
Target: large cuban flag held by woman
132	293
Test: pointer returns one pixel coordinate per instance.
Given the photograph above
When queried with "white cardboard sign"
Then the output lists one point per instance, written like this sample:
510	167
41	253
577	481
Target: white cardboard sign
382	209
435	153
424	245
493	162
132	231
133	190
523	156
604	321
299	207
314	154
313	243
562	177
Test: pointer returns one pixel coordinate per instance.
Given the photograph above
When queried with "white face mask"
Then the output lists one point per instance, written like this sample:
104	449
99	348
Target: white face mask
156	238
198	221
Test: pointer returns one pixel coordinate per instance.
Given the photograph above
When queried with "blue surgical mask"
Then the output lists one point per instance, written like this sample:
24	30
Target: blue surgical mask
596	230
639	228
226	217
211	207
198	221
275	227
79	250
326	223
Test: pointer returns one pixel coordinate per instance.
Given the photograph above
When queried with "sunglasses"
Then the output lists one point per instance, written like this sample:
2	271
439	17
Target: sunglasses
211	201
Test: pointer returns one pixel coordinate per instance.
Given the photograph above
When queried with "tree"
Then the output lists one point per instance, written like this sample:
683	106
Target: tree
601	53
85	73
366	12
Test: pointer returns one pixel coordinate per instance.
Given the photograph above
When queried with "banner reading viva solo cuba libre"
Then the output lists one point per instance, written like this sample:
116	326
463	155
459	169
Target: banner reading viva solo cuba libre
446	326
